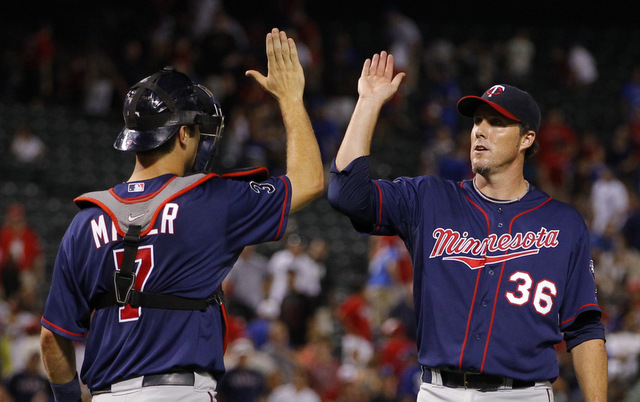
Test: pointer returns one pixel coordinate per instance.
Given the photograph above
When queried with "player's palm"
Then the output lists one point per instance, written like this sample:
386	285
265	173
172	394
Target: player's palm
377	80
285	77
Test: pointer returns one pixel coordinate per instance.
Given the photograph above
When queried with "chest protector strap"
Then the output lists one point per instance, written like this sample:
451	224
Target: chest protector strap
124	279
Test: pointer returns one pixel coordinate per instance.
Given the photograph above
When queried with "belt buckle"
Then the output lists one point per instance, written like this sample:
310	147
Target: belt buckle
465	379
478	385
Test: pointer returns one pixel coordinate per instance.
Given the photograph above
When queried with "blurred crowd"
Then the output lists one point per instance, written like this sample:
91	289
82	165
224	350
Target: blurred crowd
296	333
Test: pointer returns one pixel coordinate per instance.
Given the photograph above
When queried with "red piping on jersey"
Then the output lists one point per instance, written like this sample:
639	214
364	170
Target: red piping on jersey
250	172
284	208
380	207
64	330
142	198
574	317
225	322
495	298
475	290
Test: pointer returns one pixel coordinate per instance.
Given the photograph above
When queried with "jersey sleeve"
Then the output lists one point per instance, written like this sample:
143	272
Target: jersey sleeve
580	295
66	311
258	211
379	207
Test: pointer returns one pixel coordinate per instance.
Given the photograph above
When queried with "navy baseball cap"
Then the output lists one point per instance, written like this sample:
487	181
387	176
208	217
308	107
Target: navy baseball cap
509	101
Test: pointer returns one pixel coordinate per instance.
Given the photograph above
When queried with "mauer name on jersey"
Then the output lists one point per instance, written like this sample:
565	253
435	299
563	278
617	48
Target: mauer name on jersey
473	252
103	235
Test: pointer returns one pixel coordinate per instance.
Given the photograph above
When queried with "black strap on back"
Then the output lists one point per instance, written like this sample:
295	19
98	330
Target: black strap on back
124	280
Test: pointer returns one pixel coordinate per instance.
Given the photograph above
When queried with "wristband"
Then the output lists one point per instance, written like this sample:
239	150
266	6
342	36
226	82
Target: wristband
67	392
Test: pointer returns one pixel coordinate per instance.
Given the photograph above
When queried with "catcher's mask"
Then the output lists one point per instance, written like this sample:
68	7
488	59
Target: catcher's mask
156	107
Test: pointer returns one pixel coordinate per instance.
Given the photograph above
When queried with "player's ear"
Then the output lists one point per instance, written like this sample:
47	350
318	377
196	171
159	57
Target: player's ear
527	139
184	134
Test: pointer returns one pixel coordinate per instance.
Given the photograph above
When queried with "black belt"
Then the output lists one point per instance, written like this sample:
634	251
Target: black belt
481	382
152	380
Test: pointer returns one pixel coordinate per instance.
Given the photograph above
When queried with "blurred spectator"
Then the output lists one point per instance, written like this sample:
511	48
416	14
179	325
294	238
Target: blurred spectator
519	52
558	145
589	161
438	144
298	390
317	356
294	256
386	389
319	249
224	45
630	95
21	253
404	311
354	313
405	44
382	288
296	310
623	349
440	53
37	74
609	201
130	65
618	267
30	382
245	285
258	328
559	72
443	88
356	350
622	156
4	394
582	65
203	12
20	325
327	131
455	165
278	348
308	33
99	88
395	349
26	147
242	382
409	380
631	227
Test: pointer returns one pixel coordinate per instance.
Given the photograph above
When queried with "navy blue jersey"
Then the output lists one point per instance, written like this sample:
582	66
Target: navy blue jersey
495	284
192	244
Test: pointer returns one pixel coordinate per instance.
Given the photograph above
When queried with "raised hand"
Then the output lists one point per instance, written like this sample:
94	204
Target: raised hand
377	80
285	77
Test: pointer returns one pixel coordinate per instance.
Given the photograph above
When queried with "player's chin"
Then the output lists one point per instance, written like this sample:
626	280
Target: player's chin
479	167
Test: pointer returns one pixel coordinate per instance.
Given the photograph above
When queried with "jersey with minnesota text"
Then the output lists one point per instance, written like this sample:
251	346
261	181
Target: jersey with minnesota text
194	241
495	284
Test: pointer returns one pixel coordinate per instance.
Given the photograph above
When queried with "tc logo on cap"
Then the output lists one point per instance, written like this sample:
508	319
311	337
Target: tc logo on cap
495	90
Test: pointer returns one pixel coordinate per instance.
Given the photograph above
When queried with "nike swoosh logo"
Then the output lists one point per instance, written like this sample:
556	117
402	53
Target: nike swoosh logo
132	218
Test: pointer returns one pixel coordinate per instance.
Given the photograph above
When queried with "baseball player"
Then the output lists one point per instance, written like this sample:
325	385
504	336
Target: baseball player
138	272
502	272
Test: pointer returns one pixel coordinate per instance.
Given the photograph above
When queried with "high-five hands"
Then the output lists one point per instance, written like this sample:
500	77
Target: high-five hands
377	78
285	77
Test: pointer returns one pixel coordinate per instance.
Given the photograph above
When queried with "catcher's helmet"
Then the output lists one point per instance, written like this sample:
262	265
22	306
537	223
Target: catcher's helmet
156	107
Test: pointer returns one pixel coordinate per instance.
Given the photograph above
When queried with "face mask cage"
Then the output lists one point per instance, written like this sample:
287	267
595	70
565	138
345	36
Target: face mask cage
206	154
211	124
